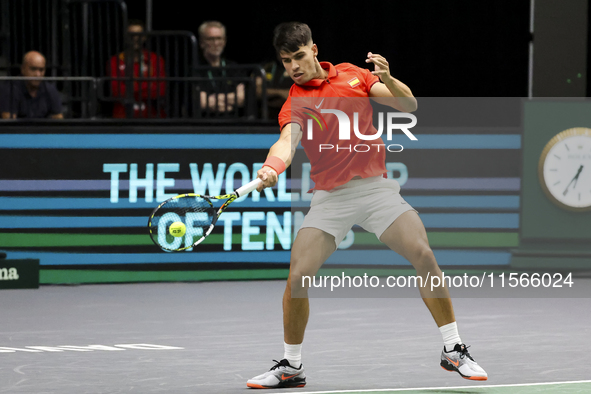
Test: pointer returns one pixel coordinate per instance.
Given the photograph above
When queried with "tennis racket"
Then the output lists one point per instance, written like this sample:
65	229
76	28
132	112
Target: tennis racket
196	212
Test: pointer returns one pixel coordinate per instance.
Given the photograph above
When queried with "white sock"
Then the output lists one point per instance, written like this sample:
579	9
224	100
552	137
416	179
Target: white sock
450	335
293	354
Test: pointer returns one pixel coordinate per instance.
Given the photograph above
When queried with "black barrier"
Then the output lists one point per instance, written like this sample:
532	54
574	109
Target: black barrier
232	98
235	97
78	95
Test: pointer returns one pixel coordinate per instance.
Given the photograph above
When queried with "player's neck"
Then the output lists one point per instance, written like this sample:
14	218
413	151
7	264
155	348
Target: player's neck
320	72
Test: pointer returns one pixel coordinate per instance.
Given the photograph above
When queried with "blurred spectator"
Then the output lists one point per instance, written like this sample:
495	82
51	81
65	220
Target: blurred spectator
32	98
148	96
218	95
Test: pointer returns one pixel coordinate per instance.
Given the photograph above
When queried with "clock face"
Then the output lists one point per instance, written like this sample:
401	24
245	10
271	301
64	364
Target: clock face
565	169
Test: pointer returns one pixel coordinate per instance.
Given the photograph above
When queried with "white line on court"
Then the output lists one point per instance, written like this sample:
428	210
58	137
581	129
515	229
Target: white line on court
443	388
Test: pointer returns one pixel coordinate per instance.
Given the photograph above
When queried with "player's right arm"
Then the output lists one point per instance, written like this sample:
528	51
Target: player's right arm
284	149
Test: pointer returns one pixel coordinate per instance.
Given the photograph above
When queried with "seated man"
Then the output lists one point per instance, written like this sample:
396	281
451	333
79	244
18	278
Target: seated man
147	95
218	95
32	98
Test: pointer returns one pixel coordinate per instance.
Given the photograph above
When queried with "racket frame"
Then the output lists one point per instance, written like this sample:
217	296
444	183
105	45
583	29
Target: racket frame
231	197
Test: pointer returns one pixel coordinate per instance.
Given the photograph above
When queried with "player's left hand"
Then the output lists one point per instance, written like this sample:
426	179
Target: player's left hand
382	68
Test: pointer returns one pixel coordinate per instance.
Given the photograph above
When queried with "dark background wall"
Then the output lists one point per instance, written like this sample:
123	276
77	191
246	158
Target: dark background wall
439	48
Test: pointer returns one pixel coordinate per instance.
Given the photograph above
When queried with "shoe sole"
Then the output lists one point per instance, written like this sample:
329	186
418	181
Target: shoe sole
258	386
446	365
282	385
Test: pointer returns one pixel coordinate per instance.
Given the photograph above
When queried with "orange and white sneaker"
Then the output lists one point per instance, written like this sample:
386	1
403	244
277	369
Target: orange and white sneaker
460	361
281	375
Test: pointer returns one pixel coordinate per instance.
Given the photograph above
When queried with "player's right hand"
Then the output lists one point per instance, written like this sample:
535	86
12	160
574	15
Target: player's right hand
268	176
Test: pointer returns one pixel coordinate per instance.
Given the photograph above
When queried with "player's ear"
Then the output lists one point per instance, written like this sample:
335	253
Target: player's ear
315	49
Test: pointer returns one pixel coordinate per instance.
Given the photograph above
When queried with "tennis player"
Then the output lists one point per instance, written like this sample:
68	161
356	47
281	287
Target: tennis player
342	179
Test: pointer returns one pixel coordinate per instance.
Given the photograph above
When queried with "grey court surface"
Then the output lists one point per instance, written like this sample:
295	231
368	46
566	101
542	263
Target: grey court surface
212	337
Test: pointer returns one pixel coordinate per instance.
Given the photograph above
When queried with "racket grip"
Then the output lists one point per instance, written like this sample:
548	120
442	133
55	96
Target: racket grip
250	186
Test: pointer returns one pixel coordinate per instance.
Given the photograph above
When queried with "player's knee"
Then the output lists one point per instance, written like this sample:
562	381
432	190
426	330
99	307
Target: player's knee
424	259
300	276
298	284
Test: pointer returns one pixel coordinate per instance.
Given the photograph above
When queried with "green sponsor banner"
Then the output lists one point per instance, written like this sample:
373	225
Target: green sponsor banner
19	274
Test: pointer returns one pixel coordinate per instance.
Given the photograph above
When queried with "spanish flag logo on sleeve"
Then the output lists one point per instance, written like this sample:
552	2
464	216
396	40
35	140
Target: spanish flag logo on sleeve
354	82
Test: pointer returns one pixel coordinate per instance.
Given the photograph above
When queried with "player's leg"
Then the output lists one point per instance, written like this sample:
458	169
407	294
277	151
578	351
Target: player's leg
309	251
407	236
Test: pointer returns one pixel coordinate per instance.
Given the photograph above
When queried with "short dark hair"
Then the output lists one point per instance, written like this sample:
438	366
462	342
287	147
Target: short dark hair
290	36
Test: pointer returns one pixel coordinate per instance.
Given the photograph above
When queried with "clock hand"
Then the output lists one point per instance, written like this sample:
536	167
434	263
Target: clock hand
577	176
573	180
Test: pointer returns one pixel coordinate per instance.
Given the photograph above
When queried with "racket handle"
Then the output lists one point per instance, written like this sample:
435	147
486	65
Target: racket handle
250	186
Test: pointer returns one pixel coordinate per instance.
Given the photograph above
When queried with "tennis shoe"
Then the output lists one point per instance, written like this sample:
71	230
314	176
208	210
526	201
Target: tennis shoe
460	361
281	375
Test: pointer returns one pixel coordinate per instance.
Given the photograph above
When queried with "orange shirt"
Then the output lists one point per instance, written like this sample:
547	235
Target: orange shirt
335	161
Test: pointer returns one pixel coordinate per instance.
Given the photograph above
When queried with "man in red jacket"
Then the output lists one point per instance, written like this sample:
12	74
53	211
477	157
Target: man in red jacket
148	96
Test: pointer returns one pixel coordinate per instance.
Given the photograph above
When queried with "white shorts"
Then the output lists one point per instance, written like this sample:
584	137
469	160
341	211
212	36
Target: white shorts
372	203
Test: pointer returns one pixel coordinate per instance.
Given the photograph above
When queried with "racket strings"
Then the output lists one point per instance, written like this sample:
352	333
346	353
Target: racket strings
195	212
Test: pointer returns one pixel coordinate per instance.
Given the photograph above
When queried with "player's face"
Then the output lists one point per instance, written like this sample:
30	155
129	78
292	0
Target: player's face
301	65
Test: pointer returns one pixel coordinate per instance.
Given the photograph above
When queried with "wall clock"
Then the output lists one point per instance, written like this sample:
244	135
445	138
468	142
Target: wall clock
564	169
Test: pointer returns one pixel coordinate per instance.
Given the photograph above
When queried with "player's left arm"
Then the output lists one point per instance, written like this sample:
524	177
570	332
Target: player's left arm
390	87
